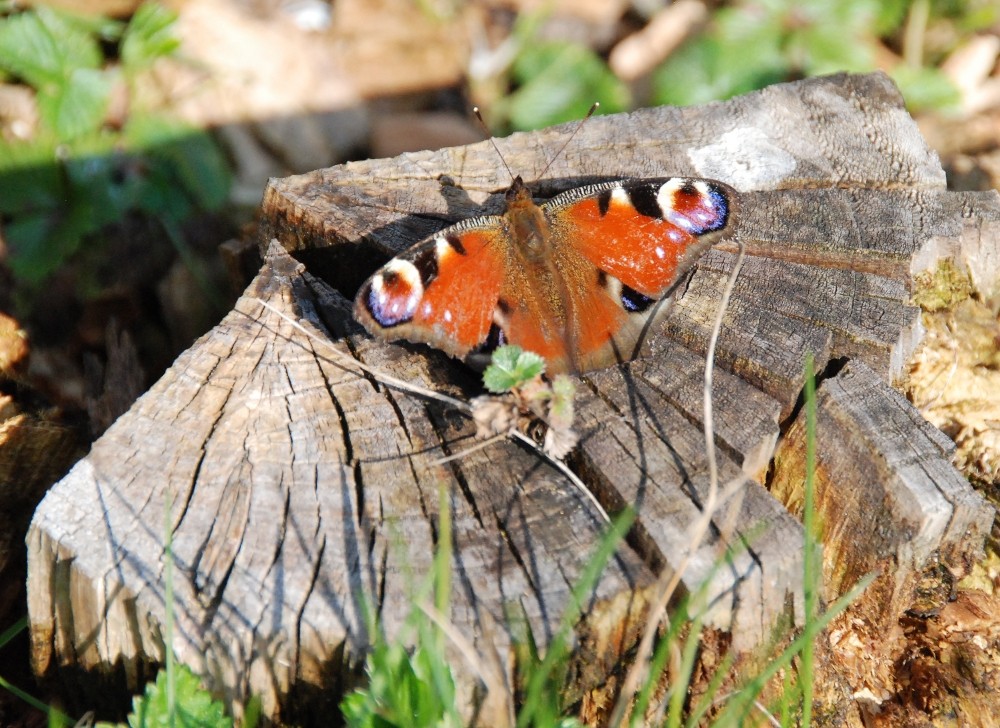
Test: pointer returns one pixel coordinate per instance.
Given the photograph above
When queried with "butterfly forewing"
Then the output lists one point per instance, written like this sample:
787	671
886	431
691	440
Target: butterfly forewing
442	291
645	233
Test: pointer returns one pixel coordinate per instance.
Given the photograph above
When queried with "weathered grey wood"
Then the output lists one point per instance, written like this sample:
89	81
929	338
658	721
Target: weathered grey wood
781	311
746	426
638	449
298	485
970	242
302	494
841	132
884	482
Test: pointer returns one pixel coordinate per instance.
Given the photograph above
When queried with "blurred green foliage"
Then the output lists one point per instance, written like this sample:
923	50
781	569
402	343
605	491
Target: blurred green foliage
558	81
554	81
190	706
80	173
756	42
749	44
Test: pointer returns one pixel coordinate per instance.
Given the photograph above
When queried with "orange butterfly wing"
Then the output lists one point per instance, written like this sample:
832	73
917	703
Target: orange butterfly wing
574	281
442	291
638	239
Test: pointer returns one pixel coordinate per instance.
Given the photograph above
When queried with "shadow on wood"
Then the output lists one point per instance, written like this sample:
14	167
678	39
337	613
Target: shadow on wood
304	493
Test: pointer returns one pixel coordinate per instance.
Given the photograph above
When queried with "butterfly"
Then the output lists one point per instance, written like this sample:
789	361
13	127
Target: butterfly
577	279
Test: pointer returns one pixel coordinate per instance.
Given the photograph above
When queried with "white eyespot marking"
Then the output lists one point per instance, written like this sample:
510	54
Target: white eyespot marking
613	286
676	236
619	196
395	293
428	309
665	199
500	318
660	252
447	315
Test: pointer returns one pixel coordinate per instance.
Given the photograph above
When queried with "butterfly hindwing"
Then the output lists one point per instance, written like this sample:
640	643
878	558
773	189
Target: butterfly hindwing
443	291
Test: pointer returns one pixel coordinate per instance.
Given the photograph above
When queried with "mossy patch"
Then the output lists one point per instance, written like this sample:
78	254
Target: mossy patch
941	288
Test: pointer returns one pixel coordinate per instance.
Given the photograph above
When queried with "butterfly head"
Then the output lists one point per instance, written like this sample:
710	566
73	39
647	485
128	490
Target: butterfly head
517	192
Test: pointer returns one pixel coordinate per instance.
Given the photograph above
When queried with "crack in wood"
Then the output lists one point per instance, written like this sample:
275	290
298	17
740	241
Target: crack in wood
521	531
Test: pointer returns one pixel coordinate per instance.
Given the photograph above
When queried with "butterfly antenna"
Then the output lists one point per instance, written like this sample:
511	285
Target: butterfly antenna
479	117
595	107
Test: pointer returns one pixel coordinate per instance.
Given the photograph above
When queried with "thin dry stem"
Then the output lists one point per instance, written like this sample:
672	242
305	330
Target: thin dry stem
469	450
482	667
348	362
669	579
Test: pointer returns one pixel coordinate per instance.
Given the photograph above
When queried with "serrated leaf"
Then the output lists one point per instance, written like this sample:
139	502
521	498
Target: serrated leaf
510	367
28	50
76	108
99	26
31	177
190	154
98	188
707	70
824	49
195	706
40	243
506	357
44	47
149	36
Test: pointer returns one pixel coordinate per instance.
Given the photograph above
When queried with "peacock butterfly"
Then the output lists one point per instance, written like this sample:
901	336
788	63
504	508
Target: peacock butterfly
575	279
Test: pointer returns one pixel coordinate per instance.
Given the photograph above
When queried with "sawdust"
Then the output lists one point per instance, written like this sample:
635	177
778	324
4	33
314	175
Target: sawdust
955	375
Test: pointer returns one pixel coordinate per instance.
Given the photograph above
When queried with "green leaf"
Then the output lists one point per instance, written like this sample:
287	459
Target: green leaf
188	154
973	19
99	188
149	36
510	367
76	108
926	88
28	50
416	691
102	27
559	82
824	49
44	47
890	15
31	180
195	706
706	70
39	243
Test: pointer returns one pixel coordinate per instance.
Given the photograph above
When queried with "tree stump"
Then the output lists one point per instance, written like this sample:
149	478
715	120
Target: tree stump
301	493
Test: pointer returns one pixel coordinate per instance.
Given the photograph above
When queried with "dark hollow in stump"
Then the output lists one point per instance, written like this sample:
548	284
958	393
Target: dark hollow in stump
301	494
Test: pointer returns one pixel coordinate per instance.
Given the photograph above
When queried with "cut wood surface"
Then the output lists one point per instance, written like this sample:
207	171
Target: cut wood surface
302	492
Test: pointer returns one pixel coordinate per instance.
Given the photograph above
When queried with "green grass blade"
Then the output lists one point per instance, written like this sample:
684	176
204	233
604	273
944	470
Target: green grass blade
53	713
14	630
812	570
558	648
739	705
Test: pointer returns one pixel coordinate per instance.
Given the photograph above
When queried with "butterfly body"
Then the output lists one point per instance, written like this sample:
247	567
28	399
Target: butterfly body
576	279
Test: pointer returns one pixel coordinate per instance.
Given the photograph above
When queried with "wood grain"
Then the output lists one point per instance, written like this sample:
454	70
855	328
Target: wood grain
302	493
